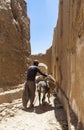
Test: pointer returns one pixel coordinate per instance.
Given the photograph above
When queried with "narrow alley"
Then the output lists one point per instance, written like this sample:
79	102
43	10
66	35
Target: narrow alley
63	60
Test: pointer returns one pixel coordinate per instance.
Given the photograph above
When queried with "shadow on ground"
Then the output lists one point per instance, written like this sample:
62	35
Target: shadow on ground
58	109
60	114
74	120
41	108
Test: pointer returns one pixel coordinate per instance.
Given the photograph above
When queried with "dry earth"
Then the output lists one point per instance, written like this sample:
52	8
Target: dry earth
44	117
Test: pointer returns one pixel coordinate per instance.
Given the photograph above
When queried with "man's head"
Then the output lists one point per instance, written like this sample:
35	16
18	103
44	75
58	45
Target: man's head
36	62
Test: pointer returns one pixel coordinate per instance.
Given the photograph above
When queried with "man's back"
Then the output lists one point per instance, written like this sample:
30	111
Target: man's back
32	71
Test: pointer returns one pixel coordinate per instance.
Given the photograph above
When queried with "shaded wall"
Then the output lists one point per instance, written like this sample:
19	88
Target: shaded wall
68	54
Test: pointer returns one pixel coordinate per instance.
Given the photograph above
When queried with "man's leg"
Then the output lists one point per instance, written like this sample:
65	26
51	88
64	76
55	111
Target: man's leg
25	96
32	89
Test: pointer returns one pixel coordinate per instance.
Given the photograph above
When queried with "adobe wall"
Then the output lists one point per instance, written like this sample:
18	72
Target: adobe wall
14	42
68	55
44	58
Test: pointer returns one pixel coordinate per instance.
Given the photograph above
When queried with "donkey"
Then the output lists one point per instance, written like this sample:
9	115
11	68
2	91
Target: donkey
45	85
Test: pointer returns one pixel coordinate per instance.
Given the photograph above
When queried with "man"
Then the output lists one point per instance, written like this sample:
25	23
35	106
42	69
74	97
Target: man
30	87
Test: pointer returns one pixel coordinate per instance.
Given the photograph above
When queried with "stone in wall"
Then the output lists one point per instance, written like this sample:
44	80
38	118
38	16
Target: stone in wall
14	42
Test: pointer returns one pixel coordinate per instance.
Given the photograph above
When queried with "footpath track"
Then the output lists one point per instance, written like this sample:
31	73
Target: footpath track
44	117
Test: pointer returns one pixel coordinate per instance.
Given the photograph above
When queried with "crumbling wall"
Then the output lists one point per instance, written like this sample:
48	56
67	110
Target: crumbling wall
68	55
44	58
14	42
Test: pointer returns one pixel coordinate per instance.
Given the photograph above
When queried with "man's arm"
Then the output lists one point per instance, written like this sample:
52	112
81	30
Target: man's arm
42	73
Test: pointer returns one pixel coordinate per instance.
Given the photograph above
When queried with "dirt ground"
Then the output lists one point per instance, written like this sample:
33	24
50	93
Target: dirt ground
44	117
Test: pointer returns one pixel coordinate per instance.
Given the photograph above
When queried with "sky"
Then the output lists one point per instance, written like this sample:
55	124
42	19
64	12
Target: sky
43	16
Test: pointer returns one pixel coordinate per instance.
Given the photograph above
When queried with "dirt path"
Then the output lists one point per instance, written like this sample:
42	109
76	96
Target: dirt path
43	117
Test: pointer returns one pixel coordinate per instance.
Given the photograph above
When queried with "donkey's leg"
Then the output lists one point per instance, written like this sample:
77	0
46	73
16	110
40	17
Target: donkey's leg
39	94
48	95
43	99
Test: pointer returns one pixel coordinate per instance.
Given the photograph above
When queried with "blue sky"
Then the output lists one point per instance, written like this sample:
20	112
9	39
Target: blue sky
43	18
